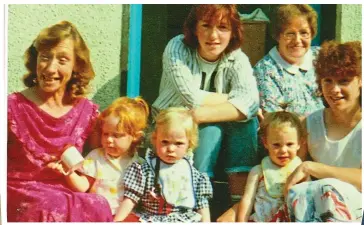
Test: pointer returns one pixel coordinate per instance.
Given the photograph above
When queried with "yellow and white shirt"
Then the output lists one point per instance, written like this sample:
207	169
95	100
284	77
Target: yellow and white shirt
108	173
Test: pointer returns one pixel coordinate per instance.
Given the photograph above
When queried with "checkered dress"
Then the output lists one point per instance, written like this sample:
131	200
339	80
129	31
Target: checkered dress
139	187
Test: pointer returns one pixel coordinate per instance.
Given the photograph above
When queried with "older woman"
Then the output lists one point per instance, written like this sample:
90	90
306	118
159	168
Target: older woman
286	76
334	142
205	70
42	119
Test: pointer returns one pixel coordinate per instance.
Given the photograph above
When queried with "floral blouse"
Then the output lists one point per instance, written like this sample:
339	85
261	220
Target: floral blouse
281	83
108	173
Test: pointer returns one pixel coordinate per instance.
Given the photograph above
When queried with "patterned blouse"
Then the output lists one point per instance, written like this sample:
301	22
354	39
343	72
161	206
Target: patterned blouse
139	186
281	83
108	173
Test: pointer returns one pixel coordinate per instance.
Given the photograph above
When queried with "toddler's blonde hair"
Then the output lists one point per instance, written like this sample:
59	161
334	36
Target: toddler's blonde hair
182	117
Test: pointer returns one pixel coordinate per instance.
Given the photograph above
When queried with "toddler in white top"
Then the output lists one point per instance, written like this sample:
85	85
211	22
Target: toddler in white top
282	134
122	125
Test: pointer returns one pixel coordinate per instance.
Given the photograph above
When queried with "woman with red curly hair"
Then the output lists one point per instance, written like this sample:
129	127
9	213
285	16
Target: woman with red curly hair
205	71
333	142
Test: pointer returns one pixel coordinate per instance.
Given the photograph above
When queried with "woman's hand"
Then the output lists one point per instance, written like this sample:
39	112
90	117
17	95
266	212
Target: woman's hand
194	115
260	115
57	166
300	174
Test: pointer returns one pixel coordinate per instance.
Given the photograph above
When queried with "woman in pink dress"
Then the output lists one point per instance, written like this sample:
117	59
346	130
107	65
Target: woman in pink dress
42	119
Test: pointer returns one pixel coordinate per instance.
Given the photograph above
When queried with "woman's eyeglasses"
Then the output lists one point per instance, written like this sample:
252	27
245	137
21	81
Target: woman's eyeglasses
293	35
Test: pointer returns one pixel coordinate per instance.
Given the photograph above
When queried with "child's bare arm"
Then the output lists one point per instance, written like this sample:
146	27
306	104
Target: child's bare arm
247	201
205	213
229	215
126	206
76	182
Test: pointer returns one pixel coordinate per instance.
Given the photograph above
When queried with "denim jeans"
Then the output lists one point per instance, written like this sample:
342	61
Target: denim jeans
237	140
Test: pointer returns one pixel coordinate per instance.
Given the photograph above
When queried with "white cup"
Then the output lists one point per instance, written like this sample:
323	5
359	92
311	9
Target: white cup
72	158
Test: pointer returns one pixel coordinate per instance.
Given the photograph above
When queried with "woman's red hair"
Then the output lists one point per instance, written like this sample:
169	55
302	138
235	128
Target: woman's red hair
212	13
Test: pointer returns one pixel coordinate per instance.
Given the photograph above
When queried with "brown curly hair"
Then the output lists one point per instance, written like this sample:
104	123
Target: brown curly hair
274	119
212	13
133	117
283	14
50	37
338	59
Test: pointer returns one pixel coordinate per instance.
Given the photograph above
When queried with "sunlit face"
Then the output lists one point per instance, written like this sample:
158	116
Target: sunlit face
295	40
282	142
341	92
55	66
213	38
171	143
115	142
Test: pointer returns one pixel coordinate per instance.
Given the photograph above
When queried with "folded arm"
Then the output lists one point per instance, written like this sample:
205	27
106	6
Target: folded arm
241	103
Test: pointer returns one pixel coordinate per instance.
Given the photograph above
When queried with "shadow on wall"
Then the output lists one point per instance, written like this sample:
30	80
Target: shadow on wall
110	91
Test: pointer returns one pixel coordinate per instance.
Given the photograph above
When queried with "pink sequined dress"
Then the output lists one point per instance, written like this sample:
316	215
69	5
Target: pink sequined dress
36	193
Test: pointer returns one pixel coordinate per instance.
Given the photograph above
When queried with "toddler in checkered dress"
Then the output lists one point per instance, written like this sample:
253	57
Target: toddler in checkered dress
167	186
103	169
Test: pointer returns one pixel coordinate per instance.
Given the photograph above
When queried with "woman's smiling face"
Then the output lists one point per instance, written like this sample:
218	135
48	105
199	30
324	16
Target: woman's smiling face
55	66
295	40
213	38
341	92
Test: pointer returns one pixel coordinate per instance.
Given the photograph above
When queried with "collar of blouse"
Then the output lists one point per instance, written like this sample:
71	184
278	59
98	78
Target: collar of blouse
293	69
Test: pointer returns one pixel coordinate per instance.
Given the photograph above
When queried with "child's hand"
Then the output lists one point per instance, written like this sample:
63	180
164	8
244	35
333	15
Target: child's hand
57	166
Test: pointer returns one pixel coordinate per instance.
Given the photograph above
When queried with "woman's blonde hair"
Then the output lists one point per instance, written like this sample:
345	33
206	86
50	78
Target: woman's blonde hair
50	37
133	117
182	117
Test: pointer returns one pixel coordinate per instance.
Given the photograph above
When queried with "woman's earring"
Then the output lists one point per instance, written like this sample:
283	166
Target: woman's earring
35	81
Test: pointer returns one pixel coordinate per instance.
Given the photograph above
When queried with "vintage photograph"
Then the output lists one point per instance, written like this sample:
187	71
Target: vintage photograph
184	113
